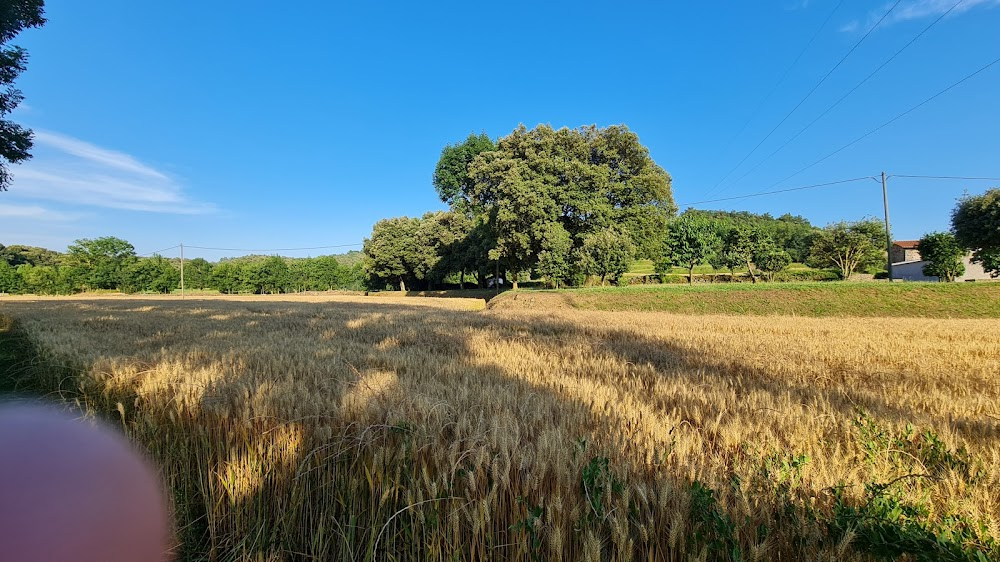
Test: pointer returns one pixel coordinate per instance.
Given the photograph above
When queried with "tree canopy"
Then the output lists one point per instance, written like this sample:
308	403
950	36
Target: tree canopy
585	179
691	240
943	255
975	222
15	140
101	261
451	175
849	246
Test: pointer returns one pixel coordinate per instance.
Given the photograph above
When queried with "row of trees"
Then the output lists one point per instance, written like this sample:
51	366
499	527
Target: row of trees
110	263
564	204
698	237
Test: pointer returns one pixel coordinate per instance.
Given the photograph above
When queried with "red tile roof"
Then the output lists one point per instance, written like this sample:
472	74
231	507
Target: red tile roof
906	244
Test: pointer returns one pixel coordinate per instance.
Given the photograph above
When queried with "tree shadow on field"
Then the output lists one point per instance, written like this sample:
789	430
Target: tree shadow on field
316	421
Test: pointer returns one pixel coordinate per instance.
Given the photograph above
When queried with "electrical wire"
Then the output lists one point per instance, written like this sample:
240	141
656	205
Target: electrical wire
786	73
807	96
889	122
804	187
159	251
274	249
854	89
964	178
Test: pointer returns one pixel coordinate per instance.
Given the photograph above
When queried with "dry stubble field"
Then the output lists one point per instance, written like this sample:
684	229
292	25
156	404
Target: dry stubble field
420	429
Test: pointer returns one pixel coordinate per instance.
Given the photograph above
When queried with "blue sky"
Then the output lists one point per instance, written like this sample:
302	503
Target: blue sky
258	125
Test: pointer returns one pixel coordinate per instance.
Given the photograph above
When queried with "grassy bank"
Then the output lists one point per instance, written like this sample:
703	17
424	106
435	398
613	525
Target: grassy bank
873	299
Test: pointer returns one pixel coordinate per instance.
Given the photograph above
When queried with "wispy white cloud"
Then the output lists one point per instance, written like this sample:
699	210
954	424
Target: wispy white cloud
34	212
917	9
75	172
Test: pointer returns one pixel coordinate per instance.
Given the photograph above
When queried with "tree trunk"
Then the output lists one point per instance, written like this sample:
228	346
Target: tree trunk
691	275
753	278
603	275
513	284
461	280
402	285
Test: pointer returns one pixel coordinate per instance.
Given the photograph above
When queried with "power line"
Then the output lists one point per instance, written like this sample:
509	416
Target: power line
159	251
275	249
807	96
818	185
964	178
889	122
854	89
787	72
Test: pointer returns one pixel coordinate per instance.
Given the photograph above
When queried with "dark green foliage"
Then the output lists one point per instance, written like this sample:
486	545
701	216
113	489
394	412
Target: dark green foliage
691	240
585	179
15	140
849	246
407	251
197	274
101	262
713	527
530	525
791	233
17	254
976	224
743	247
888	525
944	256
393	251
47	280
10	281
606	254
555	260
597	483
151	275
451	175
771	260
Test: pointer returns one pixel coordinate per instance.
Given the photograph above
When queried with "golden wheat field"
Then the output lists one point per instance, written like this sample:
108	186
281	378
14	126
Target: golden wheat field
422	429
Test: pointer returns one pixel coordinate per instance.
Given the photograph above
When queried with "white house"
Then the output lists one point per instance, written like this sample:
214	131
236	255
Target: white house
910	267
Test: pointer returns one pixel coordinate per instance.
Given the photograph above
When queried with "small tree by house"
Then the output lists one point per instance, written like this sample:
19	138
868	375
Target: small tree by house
976	225
943	255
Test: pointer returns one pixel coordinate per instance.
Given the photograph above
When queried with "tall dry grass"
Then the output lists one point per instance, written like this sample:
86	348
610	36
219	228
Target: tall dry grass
353	430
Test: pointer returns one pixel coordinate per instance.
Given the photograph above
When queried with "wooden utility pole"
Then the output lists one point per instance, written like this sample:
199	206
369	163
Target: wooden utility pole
182	270
888	232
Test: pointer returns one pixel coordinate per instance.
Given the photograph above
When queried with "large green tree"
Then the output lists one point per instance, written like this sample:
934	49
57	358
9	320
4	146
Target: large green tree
943	255
976	224
585	179
849	246
151	275
101	262
15	140
691	241
197	274
393	252
451	175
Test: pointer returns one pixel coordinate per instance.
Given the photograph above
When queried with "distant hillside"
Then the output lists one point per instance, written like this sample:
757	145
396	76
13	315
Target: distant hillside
350	258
